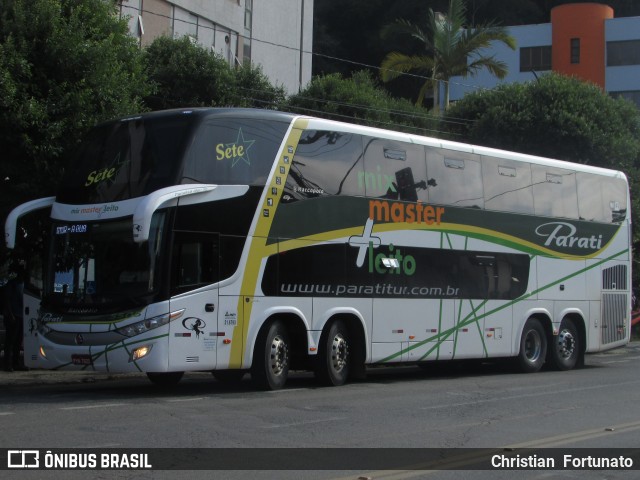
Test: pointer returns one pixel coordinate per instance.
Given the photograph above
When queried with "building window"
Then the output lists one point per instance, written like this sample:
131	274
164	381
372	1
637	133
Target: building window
185	24
626	52
535	58
575	50
248	11
248	22
206	30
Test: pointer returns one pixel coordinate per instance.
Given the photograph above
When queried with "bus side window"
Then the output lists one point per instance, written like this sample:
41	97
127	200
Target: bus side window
195	261
601	199
507	185
325	163
554	192
454	178
394	170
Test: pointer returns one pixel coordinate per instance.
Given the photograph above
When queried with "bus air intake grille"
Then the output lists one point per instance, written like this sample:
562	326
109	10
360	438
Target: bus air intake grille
614	317
614	278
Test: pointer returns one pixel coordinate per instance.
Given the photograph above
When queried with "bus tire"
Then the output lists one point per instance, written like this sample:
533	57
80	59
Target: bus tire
165	379
270	367
533	347
228	377
333	360
564	349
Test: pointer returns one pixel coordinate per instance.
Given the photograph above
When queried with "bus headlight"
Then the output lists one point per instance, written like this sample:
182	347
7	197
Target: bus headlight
140	352
149	324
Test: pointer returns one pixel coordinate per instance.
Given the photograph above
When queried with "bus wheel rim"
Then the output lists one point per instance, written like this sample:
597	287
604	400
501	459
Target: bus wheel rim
279	358
532	346
339	353
566	344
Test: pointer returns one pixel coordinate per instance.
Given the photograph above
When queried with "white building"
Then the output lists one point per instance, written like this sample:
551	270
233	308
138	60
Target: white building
275	34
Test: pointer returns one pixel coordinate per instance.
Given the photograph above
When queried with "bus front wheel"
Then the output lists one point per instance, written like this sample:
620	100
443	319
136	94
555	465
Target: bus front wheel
533	347
271	357
564	350
333	361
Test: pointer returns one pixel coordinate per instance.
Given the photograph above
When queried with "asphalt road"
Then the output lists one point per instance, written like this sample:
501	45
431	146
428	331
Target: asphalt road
459	406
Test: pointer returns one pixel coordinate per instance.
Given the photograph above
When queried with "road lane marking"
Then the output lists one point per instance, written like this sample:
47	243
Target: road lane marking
450	464
175	400
463	460
528	395
287	390
86	407
301	424
590	434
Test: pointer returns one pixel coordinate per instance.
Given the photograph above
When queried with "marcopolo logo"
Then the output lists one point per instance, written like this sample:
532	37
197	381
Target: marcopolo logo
563	235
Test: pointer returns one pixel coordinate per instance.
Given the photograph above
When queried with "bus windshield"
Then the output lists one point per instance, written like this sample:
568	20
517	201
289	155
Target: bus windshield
126	159
97	265
133	157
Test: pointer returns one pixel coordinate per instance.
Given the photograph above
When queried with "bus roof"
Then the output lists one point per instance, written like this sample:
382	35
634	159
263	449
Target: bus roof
205	112
318	123
323	124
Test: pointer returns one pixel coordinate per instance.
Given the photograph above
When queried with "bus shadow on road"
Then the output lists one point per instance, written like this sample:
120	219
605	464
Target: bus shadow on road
103	387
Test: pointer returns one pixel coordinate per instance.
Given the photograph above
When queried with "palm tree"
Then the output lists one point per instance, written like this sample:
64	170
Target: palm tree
450	50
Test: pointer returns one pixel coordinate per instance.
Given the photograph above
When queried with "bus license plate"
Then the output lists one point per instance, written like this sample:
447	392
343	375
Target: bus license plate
78	359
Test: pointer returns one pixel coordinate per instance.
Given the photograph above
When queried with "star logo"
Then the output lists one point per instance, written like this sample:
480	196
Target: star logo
240	149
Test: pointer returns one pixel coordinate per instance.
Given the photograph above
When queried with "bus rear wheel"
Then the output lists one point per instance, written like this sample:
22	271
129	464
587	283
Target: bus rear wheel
271	357
564	350
333	361
165	379
533	347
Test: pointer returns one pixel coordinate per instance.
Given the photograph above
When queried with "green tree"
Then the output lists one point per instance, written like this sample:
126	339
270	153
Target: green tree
558	117
64	66
361	100
186	75
450	50
555	116
252	88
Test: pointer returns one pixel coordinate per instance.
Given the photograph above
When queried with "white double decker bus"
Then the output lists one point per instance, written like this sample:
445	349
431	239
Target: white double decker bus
234	241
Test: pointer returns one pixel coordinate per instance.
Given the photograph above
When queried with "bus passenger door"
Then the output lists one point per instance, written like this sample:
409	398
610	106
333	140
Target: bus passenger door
194	269
32	236
31	301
